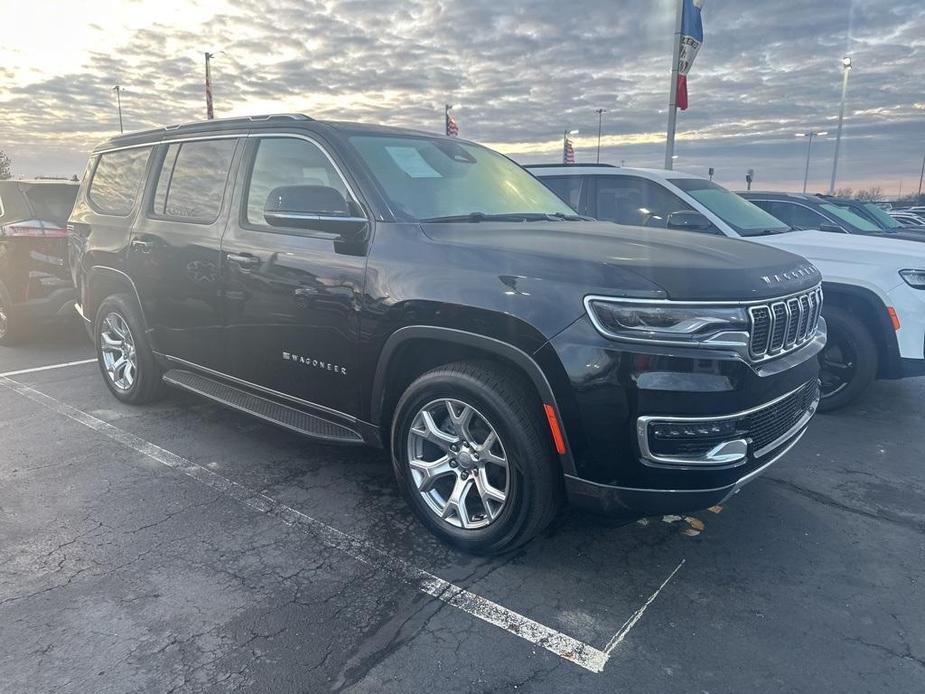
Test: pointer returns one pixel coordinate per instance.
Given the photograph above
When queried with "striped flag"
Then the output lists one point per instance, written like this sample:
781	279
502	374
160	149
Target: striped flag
452	128
691	41
568	151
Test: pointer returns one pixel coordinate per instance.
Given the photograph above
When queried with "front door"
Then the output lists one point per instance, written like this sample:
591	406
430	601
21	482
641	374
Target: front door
174	255
292	295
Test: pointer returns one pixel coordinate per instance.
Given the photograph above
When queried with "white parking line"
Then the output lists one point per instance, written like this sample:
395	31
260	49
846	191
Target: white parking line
48	368
560	644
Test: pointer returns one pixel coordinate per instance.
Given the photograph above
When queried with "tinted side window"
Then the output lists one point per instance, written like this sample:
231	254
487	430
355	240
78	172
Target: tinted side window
795	215
286	161
568	188
635	201
116	180
192	180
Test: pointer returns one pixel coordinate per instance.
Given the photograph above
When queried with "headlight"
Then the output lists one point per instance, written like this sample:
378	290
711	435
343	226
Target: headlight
914	278
674	323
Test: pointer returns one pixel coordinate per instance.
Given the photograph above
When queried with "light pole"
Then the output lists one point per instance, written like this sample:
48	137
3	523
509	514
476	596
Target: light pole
846	68
210	111
565	147
600	120
118	90
809	151
921	177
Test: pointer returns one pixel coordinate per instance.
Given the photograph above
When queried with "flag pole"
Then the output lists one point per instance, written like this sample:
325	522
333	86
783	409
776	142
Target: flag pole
210	112
673	92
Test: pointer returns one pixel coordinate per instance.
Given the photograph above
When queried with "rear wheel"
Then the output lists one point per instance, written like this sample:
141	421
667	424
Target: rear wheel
128	365
474	459
848	362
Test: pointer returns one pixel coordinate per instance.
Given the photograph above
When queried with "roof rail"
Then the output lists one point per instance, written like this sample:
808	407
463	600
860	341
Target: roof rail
536	166
242	120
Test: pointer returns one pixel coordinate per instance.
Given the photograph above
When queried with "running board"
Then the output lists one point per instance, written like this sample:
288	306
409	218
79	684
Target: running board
262	408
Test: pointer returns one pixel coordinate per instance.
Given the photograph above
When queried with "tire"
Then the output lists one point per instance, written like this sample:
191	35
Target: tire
12	327
849	361
530	476
119	314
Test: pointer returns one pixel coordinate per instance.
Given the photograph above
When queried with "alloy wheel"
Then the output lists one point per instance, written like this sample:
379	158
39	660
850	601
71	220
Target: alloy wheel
117	345
839	363
458	464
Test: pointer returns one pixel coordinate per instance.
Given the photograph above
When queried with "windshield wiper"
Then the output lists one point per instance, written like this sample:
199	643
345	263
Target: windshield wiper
485	217
569	217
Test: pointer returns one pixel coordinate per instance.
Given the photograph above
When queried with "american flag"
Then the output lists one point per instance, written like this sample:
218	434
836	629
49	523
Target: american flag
568	152
452	128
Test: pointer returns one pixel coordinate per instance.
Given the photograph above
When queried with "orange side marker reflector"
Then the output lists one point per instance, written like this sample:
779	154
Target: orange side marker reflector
554	428
893	317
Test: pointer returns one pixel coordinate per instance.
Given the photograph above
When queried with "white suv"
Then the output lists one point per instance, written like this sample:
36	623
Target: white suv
874	287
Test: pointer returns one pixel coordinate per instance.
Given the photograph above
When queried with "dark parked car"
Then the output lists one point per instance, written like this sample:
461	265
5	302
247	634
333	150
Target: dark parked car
362	284
802	211
35	286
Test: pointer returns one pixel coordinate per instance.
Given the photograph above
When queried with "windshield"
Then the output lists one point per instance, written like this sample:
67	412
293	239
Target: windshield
880	216
747	219
850	217
429	178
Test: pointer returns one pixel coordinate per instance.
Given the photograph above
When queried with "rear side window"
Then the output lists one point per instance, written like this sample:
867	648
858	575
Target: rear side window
116	180
191	183
636	201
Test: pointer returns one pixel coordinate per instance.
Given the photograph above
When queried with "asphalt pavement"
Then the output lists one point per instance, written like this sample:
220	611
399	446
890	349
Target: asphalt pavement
182	547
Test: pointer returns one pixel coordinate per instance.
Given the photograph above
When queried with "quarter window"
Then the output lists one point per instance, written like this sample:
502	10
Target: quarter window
191	184
287	161
116	180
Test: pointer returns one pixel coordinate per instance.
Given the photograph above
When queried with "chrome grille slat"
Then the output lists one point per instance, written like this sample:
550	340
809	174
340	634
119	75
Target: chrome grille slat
781	326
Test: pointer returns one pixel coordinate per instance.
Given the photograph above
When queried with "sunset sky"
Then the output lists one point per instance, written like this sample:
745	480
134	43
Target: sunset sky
520	72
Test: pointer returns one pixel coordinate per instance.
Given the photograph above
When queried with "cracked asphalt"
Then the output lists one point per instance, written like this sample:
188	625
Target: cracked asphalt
121	574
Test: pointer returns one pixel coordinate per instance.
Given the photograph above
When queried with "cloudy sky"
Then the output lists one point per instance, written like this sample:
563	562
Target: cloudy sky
520	71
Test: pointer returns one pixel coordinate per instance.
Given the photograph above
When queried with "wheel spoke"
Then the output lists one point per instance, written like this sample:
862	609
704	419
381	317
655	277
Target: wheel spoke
456	505
109	344
430	472
461	420
113	322
492	498
433	433
129	374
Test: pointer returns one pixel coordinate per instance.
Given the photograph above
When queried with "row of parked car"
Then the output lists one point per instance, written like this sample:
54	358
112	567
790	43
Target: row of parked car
420	293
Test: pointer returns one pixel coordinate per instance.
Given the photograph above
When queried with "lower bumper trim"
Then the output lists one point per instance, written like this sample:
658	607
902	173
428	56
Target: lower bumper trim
633	501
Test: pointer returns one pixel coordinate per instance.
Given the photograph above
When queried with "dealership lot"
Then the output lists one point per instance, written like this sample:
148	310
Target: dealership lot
182	547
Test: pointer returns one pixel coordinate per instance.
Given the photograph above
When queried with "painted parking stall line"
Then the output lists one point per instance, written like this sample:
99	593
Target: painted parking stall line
50	367
562	645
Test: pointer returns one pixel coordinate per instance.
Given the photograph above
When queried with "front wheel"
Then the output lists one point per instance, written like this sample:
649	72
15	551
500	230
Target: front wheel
129	368
848	363
474	459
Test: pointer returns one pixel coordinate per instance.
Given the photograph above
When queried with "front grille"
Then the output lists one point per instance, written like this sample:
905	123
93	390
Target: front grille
765	426
779	327
680	440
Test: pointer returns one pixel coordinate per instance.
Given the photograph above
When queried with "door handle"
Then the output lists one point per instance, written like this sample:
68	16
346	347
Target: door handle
245	260
142	246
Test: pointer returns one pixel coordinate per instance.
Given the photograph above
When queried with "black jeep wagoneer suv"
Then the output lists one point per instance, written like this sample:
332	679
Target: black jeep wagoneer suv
369	285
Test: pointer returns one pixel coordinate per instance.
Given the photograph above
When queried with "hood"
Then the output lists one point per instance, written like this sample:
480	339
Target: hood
636	261
823	246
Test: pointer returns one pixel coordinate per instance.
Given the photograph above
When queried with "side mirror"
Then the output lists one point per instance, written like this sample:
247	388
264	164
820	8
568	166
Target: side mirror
313	207
689	220
834	228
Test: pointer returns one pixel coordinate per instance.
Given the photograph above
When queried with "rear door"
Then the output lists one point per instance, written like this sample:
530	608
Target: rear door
292	295
174	255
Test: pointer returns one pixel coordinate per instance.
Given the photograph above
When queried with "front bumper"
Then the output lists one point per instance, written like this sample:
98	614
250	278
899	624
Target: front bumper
611	395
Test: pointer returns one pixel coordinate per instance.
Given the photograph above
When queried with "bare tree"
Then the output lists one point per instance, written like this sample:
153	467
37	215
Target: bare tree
5	167
844	193
873	194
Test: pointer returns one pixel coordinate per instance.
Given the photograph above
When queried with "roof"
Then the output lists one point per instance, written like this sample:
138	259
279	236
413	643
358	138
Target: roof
40	181
571	166
781	194
611	170
247	122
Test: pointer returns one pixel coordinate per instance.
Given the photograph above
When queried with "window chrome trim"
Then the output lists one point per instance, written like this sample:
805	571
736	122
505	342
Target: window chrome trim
675	462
